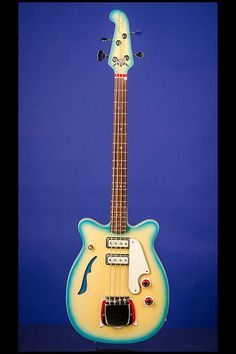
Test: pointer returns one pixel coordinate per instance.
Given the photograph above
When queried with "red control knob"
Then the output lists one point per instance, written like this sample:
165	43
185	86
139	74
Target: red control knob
148	300
146	283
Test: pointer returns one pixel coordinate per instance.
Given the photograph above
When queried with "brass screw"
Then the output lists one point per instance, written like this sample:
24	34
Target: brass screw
90	247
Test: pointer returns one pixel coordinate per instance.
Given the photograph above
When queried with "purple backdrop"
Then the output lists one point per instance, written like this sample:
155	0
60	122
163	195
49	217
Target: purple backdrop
65	137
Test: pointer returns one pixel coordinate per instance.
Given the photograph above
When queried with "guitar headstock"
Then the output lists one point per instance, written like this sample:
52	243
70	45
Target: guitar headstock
120	58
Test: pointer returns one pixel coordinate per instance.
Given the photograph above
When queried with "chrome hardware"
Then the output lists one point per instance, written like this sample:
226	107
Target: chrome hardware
117	312
106	39
121	259
113	242
137	33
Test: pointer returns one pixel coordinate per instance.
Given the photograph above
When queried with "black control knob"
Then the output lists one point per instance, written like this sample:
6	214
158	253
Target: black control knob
146	283
148	300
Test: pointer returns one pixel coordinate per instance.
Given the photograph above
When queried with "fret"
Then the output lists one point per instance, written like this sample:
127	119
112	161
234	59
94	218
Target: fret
118	222
121	204
118	189
119	168
119	160
119	185
122	208
123	176
119	229
113	221
125	211
124	226
125	190
119	201
119	143
120	219
118	133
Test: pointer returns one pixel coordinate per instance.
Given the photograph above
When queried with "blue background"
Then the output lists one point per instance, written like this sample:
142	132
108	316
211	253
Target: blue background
65	141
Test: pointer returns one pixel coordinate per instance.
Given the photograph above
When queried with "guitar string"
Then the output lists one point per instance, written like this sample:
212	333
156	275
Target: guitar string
125	186
117	181
120	185
112	186
122	270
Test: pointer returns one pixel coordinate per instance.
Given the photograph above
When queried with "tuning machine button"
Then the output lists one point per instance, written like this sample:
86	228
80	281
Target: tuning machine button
106	39
146	283
101	55
139	54
148	300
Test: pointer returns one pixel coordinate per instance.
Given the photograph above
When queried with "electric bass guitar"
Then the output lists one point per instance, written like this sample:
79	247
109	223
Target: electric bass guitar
117	289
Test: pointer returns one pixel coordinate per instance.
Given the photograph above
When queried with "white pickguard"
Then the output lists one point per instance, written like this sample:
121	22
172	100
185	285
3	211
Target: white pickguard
137	265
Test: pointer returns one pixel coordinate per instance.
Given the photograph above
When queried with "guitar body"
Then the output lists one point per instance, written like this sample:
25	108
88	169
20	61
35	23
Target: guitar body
93	278
117	290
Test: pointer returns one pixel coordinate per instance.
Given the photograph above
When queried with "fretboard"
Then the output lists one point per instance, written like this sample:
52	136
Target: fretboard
118	219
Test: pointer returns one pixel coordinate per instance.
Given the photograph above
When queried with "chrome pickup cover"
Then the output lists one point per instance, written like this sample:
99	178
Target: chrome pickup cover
117	242
121	259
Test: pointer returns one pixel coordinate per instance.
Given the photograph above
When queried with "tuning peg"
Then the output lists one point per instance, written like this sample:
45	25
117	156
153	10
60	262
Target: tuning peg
106	39
101	55
137	33
139	54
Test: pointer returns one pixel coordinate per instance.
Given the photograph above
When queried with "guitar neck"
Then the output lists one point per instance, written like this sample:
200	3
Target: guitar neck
118	212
